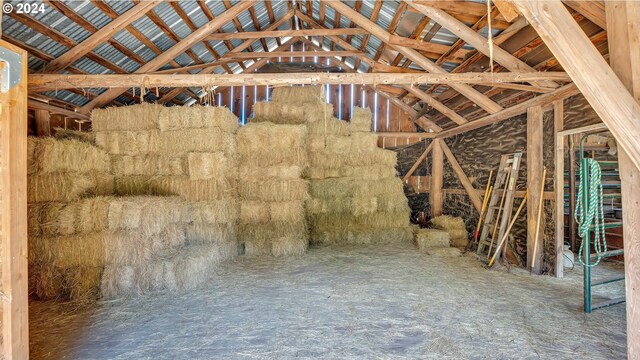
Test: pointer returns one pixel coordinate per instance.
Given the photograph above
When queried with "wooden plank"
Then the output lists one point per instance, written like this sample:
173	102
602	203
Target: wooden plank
418	162
100	36
466	90
535	130
476	40
437	105
437	173
558	186
39	105
508	10
167	56
623	20
592	10
606	94
464	180
559	94
48	82
275	54
43	122
284	33
13	205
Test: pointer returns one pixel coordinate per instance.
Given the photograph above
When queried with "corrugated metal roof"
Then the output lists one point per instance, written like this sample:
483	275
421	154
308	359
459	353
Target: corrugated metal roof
164	11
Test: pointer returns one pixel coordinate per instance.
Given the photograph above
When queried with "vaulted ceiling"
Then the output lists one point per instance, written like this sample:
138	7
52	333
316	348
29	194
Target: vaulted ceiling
190	37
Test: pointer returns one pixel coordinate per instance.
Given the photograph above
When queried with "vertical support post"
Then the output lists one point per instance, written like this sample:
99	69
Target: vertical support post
534	182
13	214
623	30
572	197
558	125
43	122
435	192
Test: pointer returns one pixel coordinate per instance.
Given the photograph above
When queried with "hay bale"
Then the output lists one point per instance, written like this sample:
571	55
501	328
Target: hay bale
428	239
80	283
126	118
63	187
49	155
354	143
197	117
129	142
326	160
184	141
273	238
67	134
104	184
352	205
267	144
372	220
278	113
287	211
274	190
360	235
133	185
205	166
354	187
329	126
283	172
211	233
298	94
361	120
371	172
224	211
455	227
254	212
194	190
393	202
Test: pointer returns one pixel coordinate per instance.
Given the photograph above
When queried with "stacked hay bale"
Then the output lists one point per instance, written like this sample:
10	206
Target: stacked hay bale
355	195
455	227
185	151
66	170
78	250
272	192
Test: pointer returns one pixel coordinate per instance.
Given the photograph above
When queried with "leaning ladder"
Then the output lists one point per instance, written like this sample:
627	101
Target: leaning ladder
500	204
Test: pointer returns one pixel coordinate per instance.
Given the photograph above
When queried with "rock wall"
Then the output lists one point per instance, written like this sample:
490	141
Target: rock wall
479	151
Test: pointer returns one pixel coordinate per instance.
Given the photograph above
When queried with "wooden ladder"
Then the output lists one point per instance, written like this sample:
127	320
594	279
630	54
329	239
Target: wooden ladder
500	205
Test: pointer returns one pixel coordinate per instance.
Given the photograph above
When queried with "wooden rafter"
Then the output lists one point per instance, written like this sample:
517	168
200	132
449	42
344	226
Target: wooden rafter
100	36
285	33
174	51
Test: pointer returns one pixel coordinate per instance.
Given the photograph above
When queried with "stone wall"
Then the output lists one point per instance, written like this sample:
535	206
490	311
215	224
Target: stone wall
479	151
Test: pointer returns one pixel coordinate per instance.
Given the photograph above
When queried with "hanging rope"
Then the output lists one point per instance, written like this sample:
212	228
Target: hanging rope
592	212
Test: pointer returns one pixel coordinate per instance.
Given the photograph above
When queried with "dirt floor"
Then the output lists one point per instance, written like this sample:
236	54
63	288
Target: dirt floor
343	303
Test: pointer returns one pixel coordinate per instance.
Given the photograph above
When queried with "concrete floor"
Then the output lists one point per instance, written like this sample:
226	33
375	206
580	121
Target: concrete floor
342	303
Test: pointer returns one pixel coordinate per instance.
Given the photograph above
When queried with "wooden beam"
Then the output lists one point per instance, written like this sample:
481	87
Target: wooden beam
13	222
47	82
479	42
418	162
174	51
39	105
606	94
623	20
437	173
436	105
396	134
558	185
43	122
541	100
464	180
592	10
507	9
275	54
535	130
426	46
466	90
284	33
102	35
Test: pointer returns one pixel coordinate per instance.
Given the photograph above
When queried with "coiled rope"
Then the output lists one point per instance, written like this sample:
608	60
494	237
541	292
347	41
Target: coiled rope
592	212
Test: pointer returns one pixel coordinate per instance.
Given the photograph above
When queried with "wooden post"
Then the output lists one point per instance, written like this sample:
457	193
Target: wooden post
558	186
13	210
573	226
435	191
534	182
623	22
43	124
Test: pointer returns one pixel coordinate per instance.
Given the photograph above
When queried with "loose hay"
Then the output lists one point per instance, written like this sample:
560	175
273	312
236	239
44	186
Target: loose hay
67	134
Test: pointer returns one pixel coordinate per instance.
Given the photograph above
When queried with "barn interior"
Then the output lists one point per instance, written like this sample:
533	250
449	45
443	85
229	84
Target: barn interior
320	179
